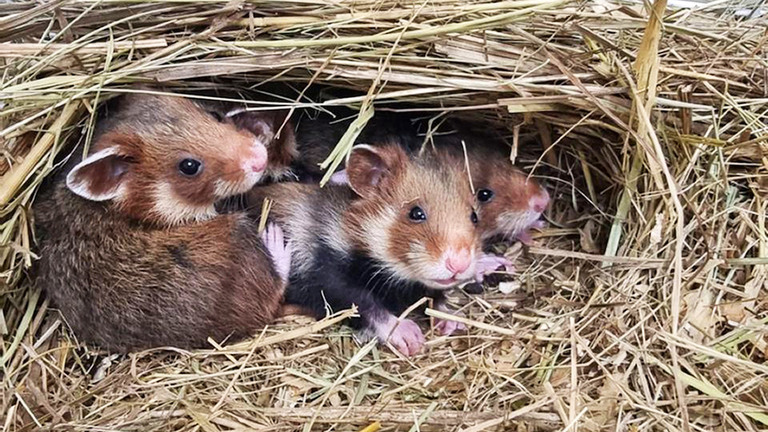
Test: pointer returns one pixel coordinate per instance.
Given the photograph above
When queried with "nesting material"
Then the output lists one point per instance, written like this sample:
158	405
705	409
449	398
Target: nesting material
642	306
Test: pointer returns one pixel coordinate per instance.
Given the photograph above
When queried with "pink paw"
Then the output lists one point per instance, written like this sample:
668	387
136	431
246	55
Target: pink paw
278	250
405	335
539	224
525	235
339	178
488	263
447	328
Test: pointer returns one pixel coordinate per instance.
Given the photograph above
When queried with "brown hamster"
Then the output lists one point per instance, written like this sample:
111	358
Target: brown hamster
132	251
402	230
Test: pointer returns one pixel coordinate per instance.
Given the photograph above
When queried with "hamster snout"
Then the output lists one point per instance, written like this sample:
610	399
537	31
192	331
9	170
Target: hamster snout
256	162
458	261
460	264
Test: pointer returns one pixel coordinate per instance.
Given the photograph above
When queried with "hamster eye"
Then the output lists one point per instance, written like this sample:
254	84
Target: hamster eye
473	218
216	115
417	214
484	195
190	167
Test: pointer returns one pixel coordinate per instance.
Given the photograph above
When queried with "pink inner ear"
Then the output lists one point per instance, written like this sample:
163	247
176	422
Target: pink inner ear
99	176
376	176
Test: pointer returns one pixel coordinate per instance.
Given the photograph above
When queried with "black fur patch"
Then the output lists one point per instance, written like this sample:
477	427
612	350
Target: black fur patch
179	254
337	281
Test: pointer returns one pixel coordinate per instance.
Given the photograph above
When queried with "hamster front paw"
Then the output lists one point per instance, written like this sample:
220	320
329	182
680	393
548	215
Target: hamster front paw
281	254
487	263
447	327
525	236
405	335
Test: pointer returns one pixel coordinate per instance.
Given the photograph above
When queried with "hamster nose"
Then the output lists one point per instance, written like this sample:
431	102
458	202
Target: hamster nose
258	161
539	201
458	261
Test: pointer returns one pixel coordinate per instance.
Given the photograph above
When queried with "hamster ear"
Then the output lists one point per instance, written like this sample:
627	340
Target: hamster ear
281	150
99	177
371	169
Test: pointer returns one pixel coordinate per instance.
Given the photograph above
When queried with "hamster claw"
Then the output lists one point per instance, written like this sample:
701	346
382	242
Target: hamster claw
339	178
405	335
274	241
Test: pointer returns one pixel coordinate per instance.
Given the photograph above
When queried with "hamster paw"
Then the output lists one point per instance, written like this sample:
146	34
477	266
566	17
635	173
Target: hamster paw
406	336
281	254
447	328
339	178
525	236
488	263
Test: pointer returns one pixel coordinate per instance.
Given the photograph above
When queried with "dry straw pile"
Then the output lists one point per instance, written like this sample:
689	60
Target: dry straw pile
641	307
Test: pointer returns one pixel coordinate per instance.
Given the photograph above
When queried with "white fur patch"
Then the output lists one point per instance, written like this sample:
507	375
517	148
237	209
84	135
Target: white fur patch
174	211
304	230
513	223
300	237
376	234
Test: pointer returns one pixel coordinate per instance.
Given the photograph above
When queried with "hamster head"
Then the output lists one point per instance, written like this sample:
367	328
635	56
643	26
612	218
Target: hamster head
166	160
415	215
508	201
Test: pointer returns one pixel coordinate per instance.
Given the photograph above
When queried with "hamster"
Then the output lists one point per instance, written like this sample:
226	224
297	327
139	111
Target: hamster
509	202
132	251
403	229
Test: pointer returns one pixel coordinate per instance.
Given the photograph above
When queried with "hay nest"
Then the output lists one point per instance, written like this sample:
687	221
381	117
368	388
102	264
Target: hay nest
641	307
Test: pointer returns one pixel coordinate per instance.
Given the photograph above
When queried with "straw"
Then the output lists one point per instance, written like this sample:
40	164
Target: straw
641	306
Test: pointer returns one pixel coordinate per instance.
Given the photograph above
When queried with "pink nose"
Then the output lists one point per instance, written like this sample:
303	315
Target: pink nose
259	161
539	201
458	261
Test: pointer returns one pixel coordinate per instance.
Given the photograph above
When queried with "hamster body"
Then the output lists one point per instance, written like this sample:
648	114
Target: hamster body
132	251
402	230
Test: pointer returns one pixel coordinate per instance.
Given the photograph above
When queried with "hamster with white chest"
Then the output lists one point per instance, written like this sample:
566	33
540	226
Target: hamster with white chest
403	229
132	250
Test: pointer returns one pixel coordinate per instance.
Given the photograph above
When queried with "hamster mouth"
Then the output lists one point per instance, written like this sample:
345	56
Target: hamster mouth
447	283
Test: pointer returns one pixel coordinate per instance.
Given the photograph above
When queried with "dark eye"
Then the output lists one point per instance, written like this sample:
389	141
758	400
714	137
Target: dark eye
417	214
190	167
473	217
219	118
484	195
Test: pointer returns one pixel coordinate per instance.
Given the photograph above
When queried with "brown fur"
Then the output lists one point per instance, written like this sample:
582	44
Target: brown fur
512	188
440	186
125	279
